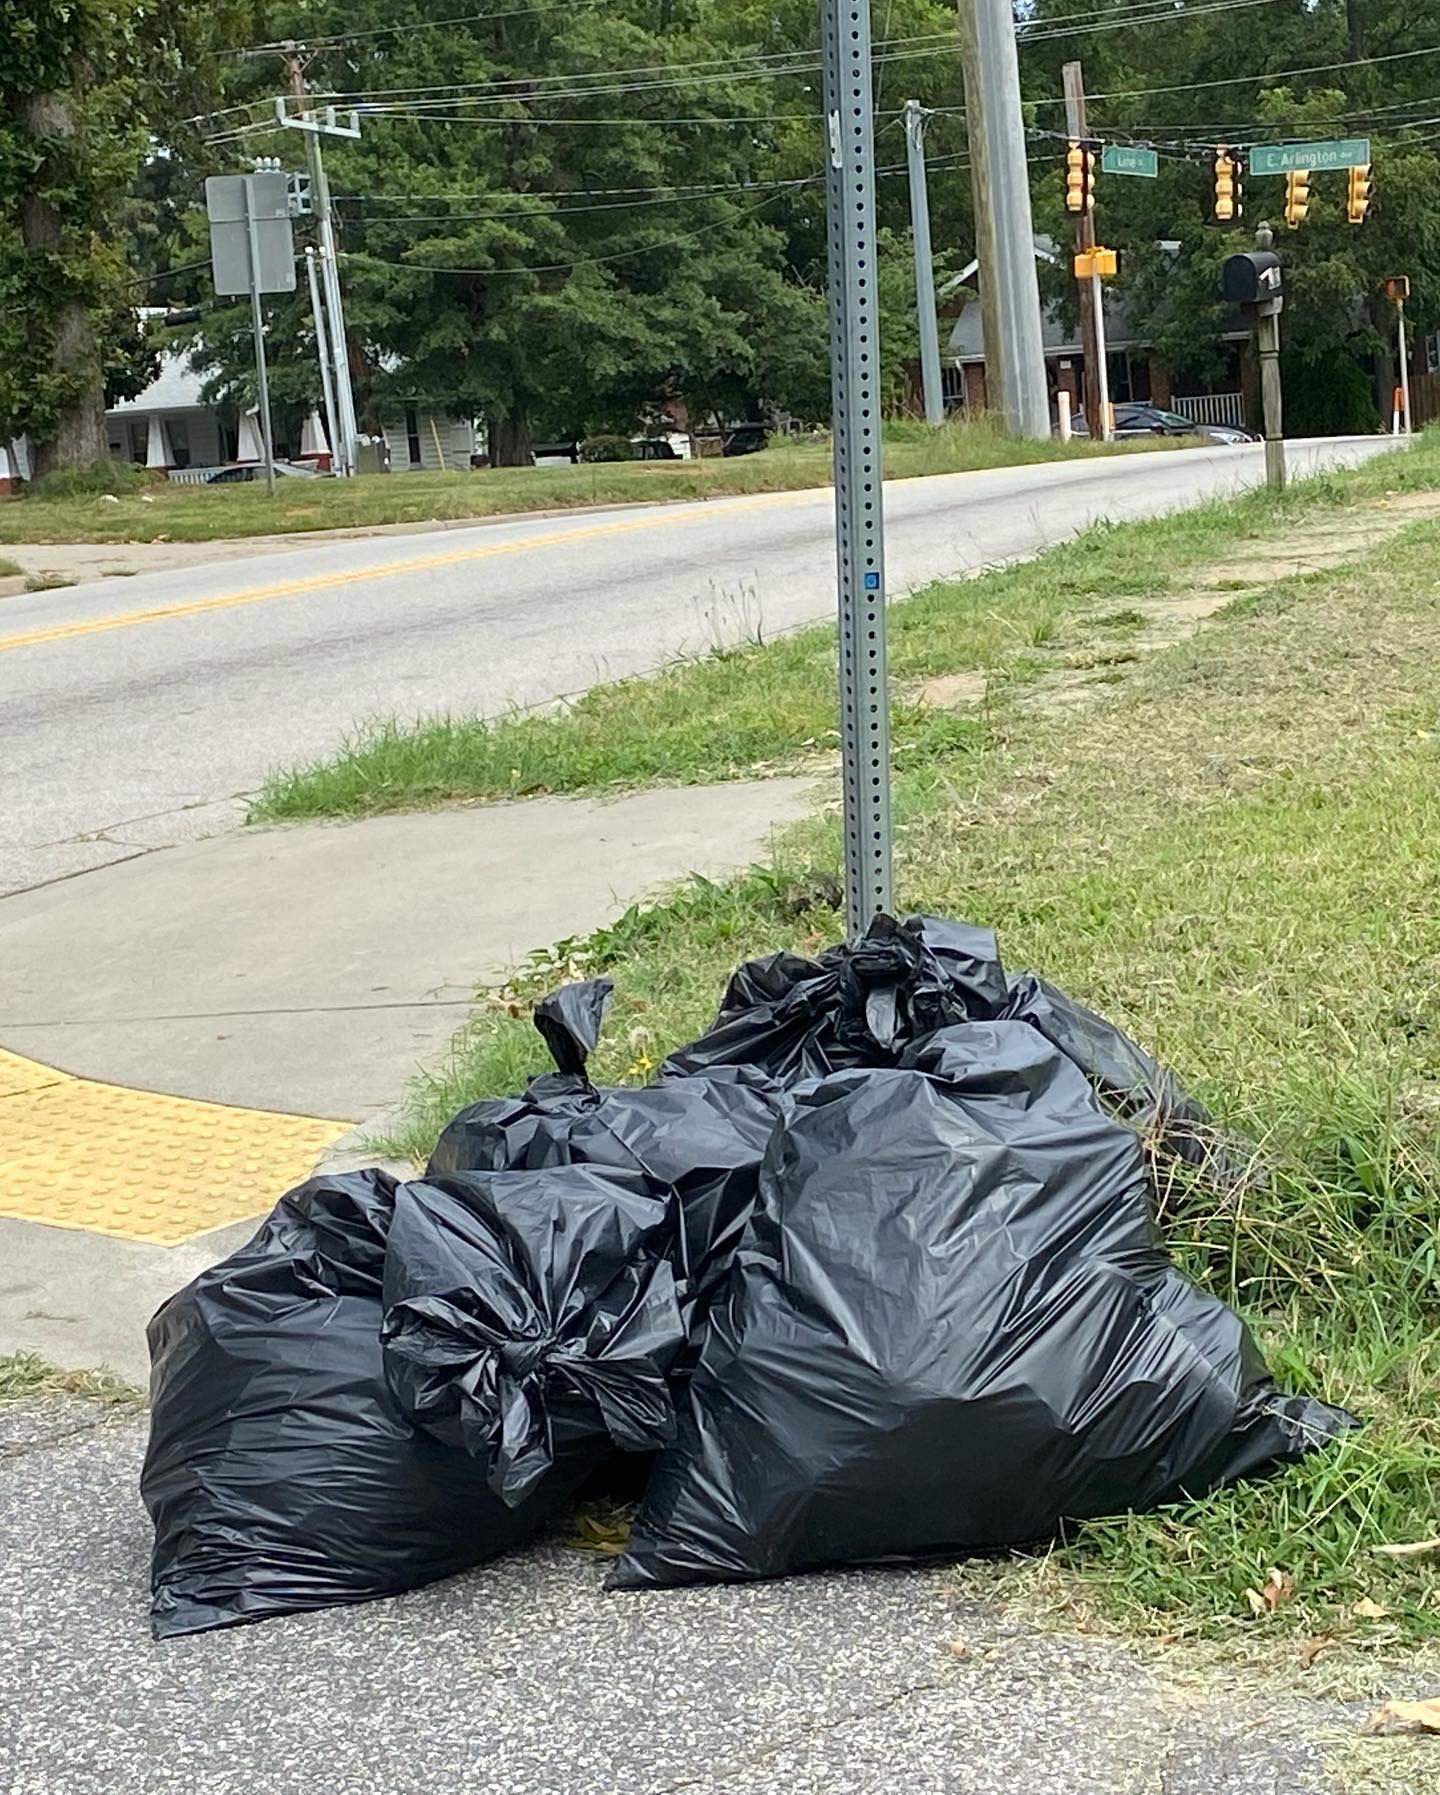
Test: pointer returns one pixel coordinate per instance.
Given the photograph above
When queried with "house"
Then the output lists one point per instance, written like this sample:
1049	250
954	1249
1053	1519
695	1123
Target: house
172	426
1135	374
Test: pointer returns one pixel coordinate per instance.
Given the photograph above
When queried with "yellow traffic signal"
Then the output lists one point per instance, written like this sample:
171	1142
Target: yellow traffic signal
1297	197
1227	186
1079	178
1357	199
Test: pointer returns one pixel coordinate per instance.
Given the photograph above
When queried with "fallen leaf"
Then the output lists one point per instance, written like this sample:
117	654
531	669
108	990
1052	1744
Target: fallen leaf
1365	1609
1277	1589
1408	1717
958	1648
1169	1638
609	1538
1312	1648
1411	1551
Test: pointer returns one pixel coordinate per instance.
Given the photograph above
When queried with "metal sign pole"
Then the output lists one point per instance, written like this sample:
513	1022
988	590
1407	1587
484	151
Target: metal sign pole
257	325
855	421
1404	353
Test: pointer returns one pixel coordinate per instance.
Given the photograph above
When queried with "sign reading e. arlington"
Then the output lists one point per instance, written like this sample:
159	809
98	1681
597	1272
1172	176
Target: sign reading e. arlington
1285	158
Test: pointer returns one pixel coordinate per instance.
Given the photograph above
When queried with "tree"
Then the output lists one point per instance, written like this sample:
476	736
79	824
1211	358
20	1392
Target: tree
558	218
78	79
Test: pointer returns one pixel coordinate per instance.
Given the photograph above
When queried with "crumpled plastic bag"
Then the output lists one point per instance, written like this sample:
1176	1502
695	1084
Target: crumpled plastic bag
951	1328
281	1474
531	1319
696	1142
864	1005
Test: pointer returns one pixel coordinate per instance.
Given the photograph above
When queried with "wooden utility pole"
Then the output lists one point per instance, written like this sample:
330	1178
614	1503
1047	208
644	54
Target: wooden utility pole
1085	240
986	278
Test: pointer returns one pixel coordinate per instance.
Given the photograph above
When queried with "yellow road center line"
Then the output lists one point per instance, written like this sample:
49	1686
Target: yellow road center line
97	626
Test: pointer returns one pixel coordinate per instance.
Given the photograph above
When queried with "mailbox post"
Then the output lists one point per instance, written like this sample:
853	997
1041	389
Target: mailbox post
1253	281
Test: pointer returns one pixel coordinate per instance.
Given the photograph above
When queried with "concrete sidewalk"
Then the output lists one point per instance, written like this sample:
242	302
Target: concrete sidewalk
189	995
523	1678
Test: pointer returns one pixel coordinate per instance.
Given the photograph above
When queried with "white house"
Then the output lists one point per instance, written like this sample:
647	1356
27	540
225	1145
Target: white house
170	425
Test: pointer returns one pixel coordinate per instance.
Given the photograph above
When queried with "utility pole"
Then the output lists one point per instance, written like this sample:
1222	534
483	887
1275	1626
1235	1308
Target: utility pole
1092	316
986	259
916	118
322	345
1027	404
859	473
1267	341
1404	360
345	445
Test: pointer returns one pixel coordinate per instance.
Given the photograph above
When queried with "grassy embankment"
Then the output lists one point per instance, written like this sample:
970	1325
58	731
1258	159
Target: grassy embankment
173	513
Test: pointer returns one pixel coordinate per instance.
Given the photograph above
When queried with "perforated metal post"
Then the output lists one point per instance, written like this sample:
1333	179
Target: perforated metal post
855	412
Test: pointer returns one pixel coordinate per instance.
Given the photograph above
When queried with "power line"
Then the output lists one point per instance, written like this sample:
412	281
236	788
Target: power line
757	65
620	255
1260	78
1155	15
331	39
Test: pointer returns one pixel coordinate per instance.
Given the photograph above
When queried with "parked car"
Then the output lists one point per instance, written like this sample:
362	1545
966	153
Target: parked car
653	448
1134	420
746	439
1154	420
252	470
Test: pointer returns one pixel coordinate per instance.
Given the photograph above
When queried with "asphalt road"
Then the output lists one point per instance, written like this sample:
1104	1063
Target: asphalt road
135	713
523	1678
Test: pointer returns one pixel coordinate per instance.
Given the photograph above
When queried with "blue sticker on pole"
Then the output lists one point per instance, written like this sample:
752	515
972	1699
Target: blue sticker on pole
872	582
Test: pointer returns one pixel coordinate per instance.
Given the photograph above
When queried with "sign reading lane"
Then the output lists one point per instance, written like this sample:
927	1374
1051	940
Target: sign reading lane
1123	159
1285	158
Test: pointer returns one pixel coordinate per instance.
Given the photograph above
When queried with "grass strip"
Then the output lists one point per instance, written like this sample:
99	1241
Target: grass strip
766	706
177	513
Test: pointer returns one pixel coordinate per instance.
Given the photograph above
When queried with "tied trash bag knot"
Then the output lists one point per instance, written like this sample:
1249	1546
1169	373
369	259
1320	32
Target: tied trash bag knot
532	1318
520	1359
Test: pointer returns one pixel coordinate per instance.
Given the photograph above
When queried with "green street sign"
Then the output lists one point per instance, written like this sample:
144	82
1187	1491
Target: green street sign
1285	158
1122	159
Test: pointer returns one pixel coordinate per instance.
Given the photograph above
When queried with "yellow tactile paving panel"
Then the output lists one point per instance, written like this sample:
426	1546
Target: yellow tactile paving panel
76	1154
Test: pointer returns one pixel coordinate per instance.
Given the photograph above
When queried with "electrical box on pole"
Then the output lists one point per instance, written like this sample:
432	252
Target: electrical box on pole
855	423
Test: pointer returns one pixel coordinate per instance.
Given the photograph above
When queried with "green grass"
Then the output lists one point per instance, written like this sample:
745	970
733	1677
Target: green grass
173	513
26	1376
767	706
1234	856
8	569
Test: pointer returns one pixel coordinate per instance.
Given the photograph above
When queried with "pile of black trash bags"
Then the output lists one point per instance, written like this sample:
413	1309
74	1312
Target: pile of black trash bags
867	1275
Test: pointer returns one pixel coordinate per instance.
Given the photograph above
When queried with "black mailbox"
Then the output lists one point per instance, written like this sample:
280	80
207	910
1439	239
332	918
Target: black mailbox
1252	278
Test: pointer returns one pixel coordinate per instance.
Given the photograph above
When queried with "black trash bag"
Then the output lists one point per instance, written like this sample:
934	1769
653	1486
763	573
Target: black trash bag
281	1475
950	1329
865	1005
857	1005
531	1318
695	1141
1133	1087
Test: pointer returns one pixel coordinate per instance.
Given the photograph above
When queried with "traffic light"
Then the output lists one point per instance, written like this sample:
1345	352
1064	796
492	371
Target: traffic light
1228	190
1361	191
1079	178
1297	197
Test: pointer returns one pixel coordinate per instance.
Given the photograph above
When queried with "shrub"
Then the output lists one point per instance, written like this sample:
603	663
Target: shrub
114	477
607	448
